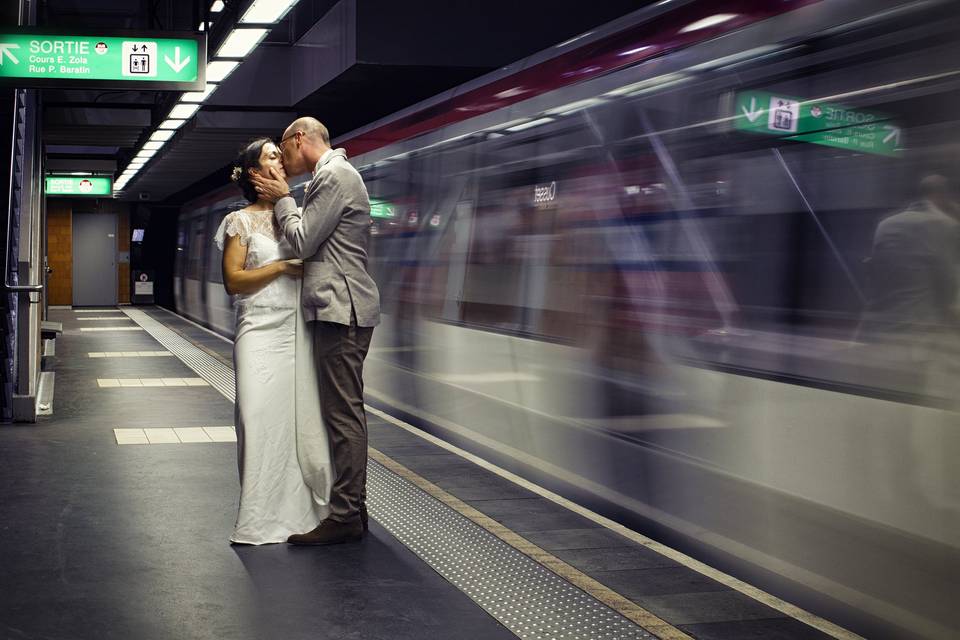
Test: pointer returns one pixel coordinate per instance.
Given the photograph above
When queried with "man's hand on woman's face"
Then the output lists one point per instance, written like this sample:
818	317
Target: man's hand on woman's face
271	187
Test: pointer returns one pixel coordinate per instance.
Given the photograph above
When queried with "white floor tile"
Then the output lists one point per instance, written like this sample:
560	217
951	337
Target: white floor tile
152	382
94	354
108	382
221	434
130	382
195	382
174	382
192	434
131	354
130	436
162	436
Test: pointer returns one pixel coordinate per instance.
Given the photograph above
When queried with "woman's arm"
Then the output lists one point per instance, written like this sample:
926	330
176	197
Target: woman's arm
236	279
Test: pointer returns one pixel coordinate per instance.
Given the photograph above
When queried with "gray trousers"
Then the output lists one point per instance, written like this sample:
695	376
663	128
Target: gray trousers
340	350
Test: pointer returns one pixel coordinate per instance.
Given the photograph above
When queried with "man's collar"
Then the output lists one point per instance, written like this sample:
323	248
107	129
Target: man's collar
327	156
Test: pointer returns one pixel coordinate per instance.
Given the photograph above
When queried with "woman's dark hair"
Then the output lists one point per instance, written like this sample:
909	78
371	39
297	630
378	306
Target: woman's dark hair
248	159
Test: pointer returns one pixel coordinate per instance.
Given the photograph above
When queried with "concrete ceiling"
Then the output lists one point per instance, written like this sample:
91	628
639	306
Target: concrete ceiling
348	63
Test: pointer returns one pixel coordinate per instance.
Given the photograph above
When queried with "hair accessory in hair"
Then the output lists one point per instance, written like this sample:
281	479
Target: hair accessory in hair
235	175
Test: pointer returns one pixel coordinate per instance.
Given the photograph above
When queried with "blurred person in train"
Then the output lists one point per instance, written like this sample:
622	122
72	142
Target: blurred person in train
283	452
912	275
340	301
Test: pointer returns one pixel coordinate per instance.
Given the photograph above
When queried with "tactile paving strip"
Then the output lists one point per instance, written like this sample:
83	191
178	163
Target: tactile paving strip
526	597
219	375
530	600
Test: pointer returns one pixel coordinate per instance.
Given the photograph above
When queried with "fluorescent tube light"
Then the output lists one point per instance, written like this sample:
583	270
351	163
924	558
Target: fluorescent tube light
266	11
240	43
198	96
711	21
217	6
635	50
574	106
154	144
161	134
183	111
530	125
171	124
218	70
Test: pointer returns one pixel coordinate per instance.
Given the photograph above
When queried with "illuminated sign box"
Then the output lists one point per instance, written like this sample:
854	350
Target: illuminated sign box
381	209
824	123
98	186
161	61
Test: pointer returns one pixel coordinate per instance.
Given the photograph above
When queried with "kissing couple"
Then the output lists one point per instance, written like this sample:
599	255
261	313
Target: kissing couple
306	307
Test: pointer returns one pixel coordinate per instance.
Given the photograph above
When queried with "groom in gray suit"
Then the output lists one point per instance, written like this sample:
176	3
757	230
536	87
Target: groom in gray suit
341	301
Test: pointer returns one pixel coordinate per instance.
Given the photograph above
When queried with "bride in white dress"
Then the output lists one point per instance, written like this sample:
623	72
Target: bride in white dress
283	453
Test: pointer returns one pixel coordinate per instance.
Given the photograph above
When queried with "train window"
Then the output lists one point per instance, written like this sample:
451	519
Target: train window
215	266
771	252
198	248
705	218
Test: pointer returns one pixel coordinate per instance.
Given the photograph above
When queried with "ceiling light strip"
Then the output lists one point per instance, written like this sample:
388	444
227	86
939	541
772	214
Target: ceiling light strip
235	47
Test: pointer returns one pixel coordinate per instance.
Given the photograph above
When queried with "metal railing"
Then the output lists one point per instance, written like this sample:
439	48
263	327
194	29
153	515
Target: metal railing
16	288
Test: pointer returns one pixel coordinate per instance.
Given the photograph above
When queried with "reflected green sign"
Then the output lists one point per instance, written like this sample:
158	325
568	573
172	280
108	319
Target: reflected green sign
78	186
823	123
381	209
141	61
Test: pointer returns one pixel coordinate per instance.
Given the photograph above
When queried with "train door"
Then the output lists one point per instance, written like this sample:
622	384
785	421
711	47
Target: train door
457	266
94	259
180	268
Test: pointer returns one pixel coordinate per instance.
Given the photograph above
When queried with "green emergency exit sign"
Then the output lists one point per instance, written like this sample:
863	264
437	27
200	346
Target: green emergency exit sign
381	209
823	123
108	60
78	186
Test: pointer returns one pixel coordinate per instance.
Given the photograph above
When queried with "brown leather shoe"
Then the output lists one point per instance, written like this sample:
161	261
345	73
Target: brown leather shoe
330	532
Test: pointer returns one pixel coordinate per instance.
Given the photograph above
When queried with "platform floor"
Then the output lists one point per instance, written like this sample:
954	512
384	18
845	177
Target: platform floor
107	540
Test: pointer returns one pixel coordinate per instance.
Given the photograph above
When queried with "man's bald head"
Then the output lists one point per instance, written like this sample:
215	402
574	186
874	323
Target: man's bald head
304	143
311	127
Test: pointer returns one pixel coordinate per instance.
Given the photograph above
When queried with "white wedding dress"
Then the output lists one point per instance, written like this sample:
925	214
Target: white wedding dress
282	446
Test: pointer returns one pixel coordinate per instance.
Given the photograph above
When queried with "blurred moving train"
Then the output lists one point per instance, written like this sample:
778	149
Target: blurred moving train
649	269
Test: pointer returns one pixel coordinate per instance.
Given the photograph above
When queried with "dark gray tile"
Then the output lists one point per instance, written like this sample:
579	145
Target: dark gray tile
489	492
400	452
638	583
772	629
694	608
532	514
623	558
575	539
439	467
441	459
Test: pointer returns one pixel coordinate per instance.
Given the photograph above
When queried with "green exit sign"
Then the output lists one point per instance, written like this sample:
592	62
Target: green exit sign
824	123
110	60
78	186
381	209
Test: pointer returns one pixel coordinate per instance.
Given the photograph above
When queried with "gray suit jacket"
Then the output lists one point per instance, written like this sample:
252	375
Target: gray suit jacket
331	236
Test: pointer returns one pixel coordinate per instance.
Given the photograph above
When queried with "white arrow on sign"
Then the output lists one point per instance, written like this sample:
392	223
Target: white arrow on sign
177	64
5	51
753	113
893	135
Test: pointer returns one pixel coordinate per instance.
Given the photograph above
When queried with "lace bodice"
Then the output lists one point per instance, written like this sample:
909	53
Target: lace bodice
259	233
